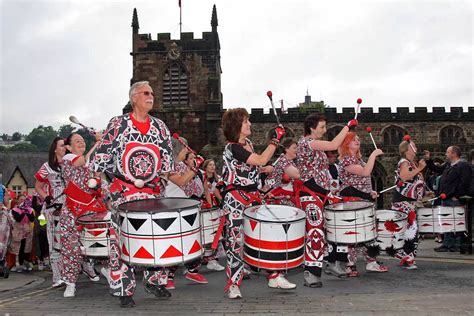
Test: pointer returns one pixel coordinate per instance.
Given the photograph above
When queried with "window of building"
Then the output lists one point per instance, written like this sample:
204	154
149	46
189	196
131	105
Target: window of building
451	135
393	136
175	85
17	189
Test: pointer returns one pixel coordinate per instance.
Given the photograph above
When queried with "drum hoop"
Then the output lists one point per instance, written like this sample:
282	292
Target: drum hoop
274	222
179	209
369	205
403	216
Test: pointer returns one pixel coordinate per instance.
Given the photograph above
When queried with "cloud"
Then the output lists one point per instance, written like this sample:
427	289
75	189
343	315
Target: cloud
73	57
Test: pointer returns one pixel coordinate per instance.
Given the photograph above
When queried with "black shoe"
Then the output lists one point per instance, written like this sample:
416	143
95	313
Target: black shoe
454	249
441	249
127	301
159	291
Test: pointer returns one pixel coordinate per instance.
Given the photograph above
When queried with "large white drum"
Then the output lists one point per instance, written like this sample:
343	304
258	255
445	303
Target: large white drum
391	227
442	219
350	222
160	232
274	237
95	241
210	220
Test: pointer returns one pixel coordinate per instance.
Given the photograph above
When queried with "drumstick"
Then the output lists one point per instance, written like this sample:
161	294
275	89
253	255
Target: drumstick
399	184
369	130
176	136
270	96
442	196
407	138
139	183
359	101
74	120
271	212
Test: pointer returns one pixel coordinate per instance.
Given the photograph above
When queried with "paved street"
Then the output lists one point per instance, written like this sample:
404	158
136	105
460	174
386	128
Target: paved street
443	284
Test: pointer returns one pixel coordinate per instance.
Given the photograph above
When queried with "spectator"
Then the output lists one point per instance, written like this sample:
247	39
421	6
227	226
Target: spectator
455	182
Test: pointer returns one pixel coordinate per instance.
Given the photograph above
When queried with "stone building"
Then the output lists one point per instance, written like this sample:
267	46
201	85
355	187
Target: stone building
185	75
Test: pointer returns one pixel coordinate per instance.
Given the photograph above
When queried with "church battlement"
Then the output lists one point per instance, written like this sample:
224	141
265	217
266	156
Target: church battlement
401	114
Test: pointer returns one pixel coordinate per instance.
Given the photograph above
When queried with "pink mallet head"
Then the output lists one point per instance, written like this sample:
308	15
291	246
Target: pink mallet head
442	196
400	184
359	101
175	135
269	94
369	129
407	138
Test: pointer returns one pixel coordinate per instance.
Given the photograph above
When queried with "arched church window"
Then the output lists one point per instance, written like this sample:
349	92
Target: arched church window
393	135
451	135
175	85
333	131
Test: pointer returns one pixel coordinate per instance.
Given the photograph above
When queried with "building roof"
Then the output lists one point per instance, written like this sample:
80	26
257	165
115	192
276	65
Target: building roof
27	163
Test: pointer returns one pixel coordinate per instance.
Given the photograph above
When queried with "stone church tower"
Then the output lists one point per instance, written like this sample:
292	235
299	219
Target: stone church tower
185	75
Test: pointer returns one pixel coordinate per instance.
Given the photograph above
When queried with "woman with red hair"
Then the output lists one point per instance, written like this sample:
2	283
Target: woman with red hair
354	175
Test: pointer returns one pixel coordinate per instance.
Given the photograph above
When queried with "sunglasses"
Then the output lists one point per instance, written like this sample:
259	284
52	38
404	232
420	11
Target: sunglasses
145	93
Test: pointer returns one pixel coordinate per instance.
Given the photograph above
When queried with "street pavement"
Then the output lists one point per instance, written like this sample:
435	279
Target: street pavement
443	285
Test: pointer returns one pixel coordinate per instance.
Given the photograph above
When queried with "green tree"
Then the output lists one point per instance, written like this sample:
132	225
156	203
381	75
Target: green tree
23	147
4	137
16	136
65	130
42	136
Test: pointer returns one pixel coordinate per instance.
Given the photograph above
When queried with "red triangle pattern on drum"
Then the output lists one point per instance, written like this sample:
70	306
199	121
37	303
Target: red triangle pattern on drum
171	252
195	248
124	251
253	224
96	232
142	253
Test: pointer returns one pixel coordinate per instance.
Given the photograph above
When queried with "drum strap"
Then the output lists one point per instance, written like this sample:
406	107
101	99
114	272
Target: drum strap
299	187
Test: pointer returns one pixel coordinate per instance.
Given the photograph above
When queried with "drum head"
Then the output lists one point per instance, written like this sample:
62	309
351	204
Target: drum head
274	213
385	215
94	218
159	205
349	206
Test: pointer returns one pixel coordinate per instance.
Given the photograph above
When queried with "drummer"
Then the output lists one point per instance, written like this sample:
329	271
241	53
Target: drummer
313	166
79	200
354	175
135	146
409	175
280	181
213	197
190	183
241	176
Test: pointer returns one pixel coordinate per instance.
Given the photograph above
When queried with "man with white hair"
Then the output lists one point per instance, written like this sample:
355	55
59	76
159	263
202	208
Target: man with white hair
135	146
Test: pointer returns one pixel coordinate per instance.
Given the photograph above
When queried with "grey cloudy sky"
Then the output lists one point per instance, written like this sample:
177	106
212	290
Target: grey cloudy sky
72	57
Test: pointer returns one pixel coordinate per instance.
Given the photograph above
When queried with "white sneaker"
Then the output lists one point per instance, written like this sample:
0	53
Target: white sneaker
214	265
40	266
89	271
70	290
58	283
17	268
28	266
234	292
374	266
280	282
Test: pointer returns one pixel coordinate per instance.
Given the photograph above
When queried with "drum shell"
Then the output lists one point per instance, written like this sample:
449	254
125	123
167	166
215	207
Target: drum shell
441	219
160	238
210	220
274	245
386	238
350	222
95	240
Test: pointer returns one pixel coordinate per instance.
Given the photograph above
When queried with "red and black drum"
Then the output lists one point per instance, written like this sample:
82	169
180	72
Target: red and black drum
391	227
350	222
160	232
95	240
274	237
441	219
